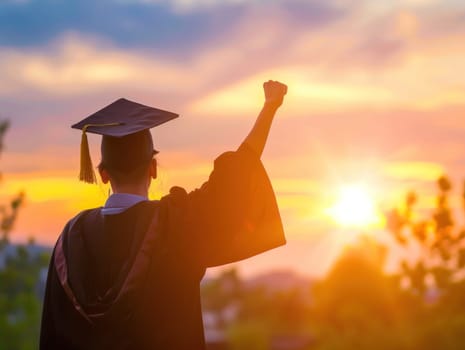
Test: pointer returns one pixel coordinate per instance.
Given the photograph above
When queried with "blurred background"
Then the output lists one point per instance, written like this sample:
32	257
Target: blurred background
366	155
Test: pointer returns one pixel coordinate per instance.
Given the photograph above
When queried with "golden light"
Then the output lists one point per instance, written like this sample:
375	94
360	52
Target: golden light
355	206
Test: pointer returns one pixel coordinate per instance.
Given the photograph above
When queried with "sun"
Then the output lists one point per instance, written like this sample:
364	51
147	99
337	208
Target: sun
355	207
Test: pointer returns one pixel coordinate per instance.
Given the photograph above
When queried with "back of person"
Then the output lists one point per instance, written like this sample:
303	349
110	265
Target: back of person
161	309
126	276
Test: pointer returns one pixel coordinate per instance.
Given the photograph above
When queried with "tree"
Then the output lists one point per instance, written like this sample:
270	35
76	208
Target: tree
441	243
437	322
9	212
20	302
356	305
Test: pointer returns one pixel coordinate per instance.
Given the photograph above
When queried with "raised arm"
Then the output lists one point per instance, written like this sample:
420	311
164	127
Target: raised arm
274	95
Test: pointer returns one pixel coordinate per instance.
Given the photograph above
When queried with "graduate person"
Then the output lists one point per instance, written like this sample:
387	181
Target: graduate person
126	275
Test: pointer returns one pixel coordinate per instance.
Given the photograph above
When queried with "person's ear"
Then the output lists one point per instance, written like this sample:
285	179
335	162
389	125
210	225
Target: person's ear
153	169
104	175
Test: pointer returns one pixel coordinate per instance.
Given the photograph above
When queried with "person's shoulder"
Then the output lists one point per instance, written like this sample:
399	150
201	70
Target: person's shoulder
79	217
74	223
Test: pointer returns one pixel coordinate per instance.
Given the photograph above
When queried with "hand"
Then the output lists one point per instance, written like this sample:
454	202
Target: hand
274	93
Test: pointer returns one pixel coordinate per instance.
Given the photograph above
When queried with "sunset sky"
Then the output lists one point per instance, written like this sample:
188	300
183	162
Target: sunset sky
376	98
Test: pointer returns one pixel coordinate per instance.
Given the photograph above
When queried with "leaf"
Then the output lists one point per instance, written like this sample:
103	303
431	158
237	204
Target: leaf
4	125
16	203
443	219
394	222
419	231
444	183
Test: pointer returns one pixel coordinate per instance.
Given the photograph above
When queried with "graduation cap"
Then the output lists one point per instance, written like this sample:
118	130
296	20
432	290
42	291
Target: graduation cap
121	122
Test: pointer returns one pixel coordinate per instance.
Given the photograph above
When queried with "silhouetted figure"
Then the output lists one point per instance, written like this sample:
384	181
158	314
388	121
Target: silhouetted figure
126	275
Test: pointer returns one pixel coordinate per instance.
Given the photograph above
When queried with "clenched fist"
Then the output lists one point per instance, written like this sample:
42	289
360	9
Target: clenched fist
274	93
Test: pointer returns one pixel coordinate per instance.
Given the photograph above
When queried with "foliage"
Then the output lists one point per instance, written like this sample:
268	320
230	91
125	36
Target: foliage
356	292
248	335
8	213
356	305
441	244
260	313
20	271
20	305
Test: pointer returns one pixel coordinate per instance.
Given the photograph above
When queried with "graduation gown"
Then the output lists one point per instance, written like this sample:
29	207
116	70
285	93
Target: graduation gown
131	280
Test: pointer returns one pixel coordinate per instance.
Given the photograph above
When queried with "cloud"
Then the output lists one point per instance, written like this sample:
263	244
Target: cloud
79	66
170	26
305	89
73	66
183	6
420	171
326	53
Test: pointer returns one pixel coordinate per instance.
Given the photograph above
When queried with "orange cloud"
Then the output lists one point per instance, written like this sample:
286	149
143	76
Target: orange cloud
420	171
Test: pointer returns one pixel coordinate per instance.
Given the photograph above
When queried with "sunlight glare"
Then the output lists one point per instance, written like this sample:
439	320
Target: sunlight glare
355	207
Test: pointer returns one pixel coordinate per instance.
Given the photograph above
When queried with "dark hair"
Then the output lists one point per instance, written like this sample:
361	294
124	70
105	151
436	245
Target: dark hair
126	176
127	158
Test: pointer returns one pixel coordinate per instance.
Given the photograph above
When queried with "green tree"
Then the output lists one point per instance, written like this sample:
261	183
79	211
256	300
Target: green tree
20	304
9	212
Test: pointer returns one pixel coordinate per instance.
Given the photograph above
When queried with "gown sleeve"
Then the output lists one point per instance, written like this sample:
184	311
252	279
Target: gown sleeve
231	217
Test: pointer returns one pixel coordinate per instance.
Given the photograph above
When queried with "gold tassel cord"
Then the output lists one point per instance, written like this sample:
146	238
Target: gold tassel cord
86	172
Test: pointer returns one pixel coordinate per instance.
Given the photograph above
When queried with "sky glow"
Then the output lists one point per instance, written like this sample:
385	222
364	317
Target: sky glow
375	87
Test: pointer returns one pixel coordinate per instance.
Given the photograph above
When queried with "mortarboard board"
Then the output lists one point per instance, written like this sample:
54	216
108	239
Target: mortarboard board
119	119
